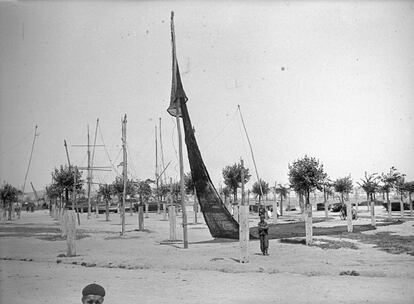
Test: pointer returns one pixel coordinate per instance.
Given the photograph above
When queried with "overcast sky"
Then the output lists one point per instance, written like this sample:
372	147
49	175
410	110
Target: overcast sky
333	80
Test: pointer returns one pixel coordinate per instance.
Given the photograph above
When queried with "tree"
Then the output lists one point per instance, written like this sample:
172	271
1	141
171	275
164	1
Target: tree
283	192
105	191
370	186
409	187
344	186
256	188
118	190
189	183
389	182
144	191
63	178
232	177
327	186
8	195
306	175
226	191
399	186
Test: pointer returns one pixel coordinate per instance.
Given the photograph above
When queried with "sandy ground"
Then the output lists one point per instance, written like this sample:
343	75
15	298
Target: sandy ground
144	267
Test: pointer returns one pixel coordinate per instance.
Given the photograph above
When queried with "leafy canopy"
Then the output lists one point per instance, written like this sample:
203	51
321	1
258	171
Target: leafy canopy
306	174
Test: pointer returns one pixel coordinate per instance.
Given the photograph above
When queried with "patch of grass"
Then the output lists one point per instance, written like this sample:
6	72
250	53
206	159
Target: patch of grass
386	241
322	243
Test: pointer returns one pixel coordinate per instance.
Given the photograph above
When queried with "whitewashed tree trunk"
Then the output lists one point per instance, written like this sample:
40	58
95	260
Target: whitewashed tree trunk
244	233
140	218
172	219
325	201
402	206
308	221
373	222
236	213
164	211
411	204
71	232
146	210
349	215
275	211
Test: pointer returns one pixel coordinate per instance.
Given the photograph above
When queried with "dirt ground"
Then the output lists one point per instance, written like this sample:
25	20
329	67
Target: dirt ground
367	266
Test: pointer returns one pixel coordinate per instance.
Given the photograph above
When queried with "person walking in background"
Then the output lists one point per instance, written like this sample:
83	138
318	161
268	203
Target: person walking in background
263	235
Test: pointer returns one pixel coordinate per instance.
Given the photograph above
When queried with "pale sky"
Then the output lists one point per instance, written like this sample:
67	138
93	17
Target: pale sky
333	80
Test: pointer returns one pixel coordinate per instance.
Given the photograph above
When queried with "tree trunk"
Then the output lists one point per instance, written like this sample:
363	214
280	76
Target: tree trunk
349	215
10	211
281	205
140	218
107	210
146	210
172	219
195	208
70	222
373	222
411	204
308	220
368	202
402	204
389	205
325	202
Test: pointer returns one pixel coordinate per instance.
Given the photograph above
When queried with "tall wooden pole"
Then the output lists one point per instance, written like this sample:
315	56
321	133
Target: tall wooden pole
74	203
162	155
156	171
30	159
124	172
275	207
180	150
251	150
243	222
89	177
92	162
67	153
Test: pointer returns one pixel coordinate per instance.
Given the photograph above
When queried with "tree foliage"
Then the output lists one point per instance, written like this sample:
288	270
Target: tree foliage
256	188
118	187
105	191
343	186
143	189
306	175
370	184
232	177
63	178
189	183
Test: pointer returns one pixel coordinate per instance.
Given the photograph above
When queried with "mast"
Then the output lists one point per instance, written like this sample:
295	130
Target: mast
156	170
89	177
30	159
180	141
124	172
251	150
92	162
162	155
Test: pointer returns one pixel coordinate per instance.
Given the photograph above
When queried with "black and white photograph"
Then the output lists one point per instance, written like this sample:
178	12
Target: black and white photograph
198	152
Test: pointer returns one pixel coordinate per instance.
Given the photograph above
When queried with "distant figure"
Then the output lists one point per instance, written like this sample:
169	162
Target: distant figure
93	294
263	234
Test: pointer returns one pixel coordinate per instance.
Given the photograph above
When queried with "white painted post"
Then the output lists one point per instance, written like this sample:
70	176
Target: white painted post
373	222
349	215
172	219
71	232
140	218
308	221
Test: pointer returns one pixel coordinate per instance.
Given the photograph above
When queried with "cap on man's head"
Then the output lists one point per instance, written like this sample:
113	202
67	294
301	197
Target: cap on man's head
93	289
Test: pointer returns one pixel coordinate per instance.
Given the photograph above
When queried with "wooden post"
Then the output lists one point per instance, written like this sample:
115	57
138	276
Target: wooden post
156	172
124	173
243	223
75	203
71	232
140	218
182	189
172	219
349	215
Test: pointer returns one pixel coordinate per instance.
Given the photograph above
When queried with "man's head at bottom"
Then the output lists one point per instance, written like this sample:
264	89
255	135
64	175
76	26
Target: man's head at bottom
93	294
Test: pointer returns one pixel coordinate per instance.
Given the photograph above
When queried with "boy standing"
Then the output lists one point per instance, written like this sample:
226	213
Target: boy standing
263	234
